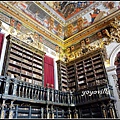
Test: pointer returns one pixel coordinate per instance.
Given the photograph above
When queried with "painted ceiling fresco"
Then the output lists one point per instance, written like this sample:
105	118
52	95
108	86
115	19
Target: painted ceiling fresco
87	13
67	9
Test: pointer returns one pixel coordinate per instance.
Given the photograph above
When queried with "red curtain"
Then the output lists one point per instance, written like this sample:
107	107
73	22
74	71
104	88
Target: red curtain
48	72
1	42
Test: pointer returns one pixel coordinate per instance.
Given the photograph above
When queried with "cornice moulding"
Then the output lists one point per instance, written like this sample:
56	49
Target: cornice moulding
34	25
27	21
93	28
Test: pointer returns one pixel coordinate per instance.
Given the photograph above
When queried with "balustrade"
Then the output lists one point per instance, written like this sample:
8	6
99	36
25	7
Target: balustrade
14	89
21	89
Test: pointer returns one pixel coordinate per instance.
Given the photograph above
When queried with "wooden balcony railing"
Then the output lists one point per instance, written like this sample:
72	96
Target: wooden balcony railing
12	88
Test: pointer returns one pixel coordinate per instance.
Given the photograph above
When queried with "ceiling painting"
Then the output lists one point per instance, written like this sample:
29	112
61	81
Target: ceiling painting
67	9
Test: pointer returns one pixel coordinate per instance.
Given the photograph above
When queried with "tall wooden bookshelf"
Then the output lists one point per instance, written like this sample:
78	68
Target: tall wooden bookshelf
71	76
84	72
90	111
62	76
90	71
24	62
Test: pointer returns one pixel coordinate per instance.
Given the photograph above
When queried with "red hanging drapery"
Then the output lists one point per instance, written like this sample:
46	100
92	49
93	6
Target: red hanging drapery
1	42
48	72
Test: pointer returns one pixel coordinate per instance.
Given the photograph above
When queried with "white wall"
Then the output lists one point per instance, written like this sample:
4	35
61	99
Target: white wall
112	50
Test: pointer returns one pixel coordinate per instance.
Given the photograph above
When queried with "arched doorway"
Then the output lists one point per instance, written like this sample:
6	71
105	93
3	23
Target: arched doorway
112	74
117	64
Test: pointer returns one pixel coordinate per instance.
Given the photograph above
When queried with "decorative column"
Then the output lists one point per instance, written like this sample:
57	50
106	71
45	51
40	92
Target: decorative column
15	87
68	96
36	91
38	94
62	113
11	111
41	93
111	109
52	111
71	98
47	112
48	90
103	107
42	112
32	89
20	89
23	90
69	112
3	111
60	96
75	113
57	95
7	85
26	91
29	90
80	113
16	111
52	93
30	112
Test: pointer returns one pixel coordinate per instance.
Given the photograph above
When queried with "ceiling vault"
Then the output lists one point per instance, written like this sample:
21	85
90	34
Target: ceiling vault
26	20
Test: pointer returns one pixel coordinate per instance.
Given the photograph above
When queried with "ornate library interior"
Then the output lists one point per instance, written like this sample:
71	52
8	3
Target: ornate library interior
59	59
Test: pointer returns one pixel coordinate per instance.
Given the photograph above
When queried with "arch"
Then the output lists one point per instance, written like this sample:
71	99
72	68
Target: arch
114	54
